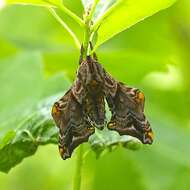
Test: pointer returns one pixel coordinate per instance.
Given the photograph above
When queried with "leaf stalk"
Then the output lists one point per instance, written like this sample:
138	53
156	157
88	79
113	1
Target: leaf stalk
53	12
78	169
88	28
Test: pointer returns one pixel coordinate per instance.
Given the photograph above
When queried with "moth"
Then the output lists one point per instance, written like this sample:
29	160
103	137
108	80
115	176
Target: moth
82	108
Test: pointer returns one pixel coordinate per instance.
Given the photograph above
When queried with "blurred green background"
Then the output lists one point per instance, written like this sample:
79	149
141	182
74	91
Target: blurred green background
153	55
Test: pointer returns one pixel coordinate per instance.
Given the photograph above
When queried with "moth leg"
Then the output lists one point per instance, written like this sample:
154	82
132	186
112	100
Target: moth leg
77	140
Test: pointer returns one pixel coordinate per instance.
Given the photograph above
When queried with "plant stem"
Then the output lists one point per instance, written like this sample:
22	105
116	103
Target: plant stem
88	31
93	9
66	11
53	12
78	170
72	15
87	34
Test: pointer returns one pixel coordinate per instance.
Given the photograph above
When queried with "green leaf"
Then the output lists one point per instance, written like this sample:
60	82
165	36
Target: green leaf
126	13
105	141
34	38
87	3
36	129
25	120
35	2
6	48
17	91
101	8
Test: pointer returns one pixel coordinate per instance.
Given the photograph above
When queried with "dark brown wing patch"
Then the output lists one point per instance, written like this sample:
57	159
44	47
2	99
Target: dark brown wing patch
74	127
88	90
127	107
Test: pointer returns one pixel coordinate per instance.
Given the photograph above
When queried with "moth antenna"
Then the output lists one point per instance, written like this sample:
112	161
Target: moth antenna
81	54
91	46
94	54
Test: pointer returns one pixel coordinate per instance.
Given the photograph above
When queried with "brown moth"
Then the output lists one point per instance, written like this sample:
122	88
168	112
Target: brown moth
82	108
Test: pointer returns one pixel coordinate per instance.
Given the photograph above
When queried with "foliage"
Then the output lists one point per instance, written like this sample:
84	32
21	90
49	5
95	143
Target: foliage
123	13
37	63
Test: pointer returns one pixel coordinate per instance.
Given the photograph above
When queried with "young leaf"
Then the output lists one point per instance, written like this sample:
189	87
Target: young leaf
87	4
51	4
106	141
36	129
101	8
35	2
125	13
24	119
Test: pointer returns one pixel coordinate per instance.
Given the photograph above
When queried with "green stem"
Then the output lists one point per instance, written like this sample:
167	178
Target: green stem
88	31
66	11
53	12
87	34
78	170
72	15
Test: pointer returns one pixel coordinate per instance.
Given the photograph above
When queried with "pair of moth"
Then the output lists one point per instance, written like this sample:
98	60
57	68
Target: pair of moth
82	108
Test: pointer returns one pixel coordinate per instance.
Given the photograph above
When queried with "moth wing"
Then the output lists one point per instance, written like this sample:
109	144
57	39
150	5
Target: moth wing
127	107
74	129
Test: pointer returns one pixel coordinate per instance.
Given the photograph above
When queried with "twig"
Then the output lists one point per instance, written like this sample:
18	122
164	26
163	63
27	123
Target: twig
53	12
78	170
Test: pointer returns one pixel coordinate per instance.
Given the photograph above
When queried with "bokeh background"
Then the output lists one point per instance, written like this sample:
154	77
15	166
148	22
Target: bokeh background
153	55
